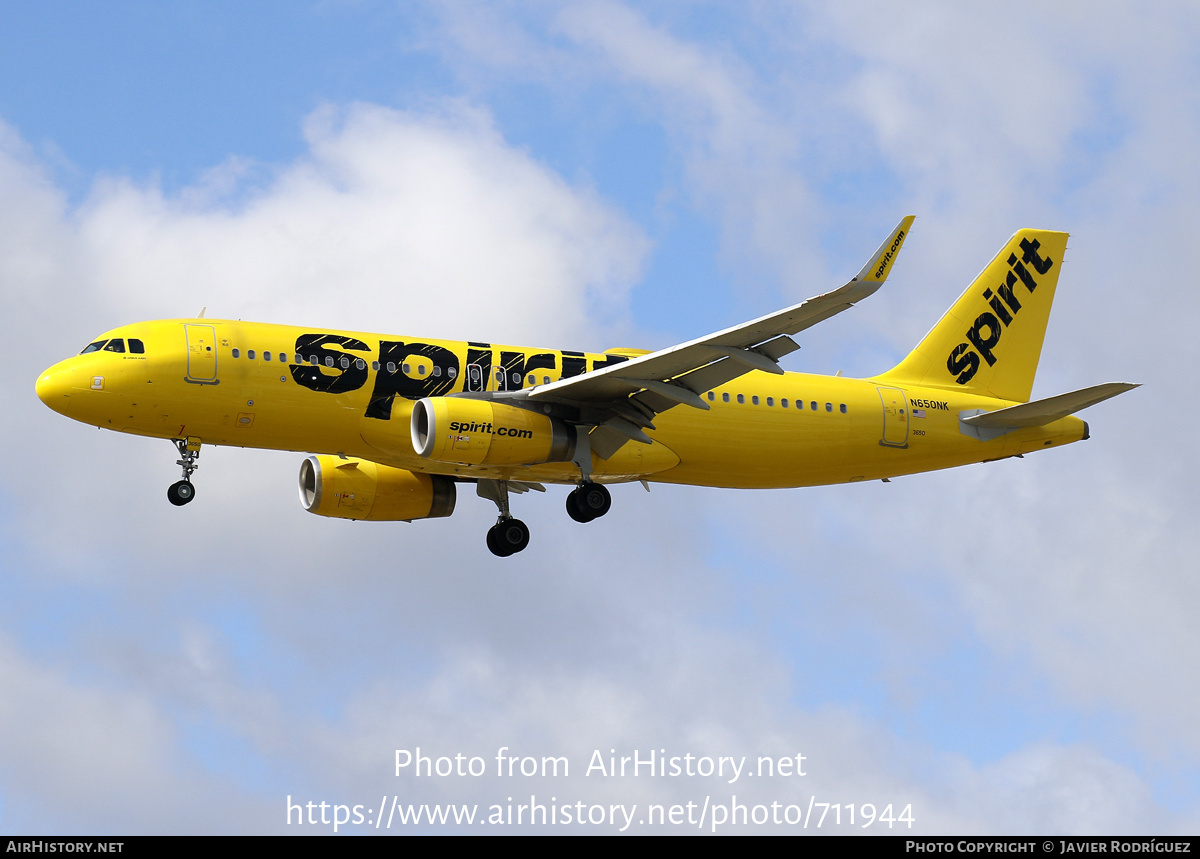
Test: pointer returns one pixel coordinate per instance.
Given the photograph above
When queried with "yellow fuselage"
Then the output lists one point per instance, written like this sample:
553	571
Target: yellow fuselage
196	379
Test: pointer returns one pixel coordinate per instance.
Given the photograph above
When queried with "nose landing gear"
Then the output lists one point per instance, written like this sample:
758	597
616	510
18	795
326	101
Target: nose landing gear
182	492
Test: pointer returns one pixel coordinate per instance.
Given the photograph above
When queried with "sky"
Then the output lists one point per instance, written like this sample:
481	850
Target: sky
1007	648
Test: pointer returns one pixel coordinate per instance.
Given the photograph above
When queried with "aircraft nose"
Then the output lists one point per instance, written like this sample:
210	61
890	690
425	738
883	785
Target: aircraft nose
54	386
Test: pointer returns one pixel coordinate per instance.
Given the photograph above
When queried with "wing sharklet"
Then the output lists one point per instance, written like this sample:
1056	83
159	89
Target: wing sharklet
880	264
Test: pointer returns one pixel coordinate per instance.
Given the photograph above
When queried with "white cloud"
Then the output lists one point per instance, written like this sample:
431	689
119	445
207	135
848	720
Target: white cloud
391	218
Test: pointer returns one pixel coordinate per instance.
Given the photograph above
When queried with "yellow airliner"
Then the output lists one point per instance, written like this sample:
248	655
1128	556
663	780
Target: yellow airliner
396	424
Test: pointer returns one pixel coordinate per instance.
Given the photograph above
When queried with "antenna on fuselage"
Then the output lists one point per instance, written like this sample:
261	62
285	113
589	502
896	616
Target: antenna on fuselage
200	315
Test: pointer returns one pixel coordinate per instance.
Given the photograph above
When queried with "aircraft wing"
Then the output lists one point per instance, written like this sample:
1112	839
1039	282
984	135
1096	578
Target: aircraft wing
623	398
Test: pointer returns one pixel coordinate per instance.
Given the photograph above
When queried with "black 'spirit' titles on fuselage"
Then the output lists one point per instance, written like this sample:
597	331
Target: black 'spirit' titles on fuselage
389	385
930	404
320	369
312	346
888	254
471	426
963	361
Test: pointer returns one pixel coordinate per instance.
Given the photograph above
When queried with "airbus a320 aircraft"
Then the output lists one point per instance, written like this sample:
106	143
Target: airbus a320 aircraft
395	424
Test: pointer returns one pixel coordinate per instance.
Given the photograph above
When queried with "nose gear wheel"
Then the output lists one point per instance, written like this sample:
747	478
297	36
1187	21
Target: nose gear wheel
181	493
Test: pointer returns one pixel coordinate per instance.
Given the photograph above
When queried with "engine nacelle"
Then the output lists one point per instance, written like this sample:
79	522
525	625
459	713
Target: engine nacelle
361	489
482	432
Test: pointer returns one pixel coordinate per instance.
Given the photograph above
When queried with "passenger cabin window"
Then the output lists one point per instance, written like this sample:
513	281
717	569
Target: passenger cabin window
136	347
814	405
250	354
741	398
770	401
237	353
360	363
754	399
345	362
93	347
724	398
783	403
266	356
117	345
843	408
829	407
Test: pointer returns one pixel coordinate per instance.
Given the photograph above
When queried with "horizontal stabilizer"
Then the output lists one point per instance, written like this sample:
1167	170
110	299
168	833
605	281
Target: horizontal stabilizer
1042	412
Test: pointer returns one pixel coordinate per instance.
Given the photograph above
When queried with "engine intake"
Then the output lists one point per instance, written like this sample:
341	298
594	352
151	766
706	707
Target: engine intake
361	489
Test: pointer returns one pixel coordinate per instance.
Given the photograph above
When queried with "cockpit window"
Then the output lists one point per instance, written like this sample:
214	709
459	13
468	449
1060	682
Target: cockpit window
93	347
136	347
117	345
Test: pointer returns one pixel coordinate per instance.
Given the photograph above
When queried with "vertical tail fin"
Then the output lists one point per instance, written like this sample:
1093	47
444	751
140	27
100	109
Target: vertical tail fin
989	342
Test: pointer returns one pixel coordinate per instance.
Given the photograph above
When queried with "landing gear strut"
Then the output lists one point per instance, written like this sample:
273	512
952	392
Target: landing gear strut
590	501
508	536
189	451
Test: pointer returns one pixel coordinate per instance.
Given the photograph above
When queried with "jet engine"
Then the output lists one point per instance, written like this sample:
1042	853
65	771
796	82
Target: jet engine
361	489
482	432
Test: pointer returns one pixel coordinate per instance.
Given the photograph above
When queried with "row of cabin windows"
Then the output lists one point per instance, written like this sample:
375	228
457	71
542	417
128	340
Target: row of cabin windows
136	346
783	403
420	369
344	362
451	372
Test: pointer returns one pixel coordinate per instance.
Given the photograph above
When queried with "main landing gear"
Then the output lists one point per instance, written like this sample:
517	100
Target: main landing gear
589	501
189	451
508	536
